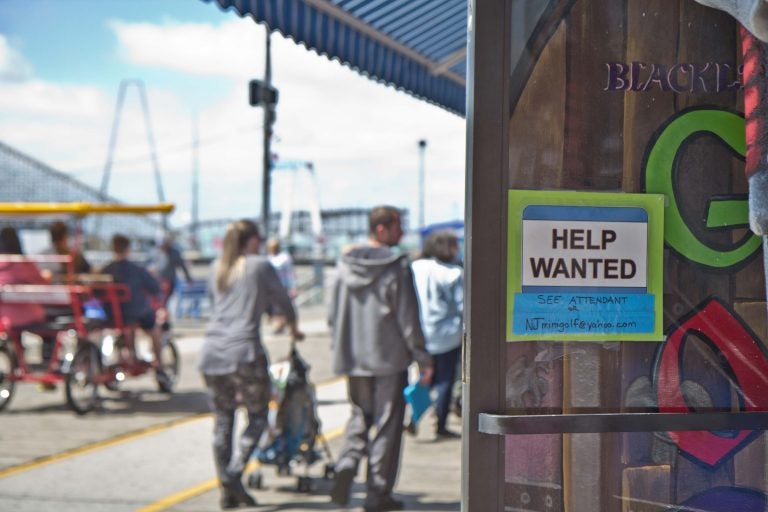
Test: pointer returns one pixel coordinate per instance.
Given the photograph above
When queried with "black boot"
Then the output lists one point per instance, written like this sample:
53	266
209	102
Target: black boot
227	501
233	494
236	466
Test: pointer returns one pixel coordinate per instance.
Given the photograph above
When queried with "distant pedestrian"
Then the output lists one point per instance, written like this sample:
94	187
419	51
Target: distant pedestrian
376	334
440	287
167	260
233	362
283	264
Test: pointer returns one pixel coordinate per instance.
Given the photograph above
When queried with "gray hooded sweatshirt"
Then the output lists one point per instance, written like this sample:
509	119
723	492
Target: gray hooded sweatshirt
374	315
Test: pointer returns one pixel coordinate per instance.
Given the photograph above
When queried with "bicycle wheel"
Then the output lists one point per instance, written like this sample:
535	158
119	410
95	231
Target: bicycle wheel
7	370
169	364
81	382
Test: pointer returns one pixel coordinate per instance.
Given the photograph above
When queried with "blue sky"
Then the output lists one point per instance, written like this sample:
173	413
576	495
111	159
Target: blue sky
61	62
79	46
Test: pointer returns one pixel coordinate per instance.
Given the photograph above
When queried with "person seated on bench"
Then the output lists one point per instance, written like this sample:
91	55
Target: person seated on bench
60	272
18	316
137	309
14	316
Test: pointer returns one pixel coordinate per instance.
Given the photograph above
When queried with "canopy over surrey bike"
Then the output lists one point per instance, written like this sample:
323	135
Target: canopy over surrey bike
91	343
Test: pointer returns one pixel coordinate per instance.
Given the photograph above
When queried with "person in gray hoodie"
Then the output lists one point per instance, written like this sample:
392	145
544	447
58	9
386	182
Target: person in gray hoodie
376	334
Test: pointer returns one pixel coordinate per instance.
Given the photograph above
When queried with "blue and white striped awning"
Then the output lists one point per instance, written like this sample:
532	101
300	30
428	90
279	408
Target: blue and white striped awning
418	46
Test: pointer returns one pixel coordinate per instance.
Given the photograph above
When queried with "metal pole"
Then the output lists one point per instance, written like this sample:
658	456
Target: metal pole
112	139
113	142
269	117
422	151
152	150
122	88
195	181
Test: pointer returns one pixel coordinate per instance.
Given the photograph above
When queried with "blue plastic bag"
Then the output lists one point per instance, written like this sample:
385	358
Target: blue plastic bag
418	398
94	310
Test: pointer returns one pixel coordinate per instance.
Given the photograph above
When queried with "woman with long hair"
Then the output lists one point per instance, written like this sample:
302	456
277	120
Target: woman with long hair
233	362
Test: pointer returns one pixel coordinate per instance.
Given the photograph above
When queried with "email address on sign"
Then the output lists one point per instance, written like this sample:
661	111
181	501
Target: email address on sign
542	324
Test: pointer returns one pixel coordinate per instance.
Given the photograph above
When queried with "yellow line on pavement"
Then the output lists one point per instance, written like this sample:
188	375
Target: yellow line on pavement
333	434
179	497
188	494
121	438
331	382
98	445
209	485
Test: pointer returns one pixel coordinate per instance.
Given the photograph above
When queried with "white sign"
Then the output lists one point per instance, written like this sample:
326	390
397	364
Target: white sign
605	254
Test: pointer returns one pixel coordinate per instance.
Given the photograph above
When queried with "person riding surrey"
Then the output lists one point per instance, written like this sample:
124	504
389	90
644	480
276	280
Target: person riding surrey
18	272
137	309
57	272
19	316
440	287
376	334
233	361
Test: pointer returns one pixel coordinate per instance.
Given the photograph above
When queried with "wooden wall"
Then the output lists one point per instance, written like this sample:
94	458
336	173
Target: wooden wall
567	132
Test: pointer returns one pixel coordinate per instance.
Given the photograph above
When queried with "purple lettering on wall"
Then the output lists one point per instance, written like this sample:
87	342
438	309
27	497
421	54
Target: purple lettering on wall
706	77
673	78
617	76
658	78
634	77
698	82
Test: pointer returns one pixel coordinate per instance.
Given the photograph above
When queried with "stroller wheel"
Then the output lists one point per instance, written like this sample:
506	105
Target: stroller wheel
304	484
255	480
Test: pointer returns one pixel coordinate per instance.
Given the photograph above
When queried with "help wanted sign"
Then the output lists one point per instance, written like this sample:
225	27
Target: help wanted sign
571	253
588	270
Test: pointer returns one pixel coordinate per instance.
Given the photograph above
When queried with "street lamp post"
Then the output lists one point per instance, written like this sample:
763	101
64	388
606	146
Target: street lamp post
422	150
269	119
195	183
263	94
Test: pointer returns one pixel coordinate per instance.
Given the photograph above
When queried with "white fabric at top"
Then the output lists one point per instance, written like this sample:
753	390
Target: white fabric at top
753	14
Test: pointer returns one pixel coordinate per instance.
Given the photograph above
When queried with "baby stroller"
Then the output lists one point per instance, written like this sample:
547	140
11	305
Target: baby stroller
294	427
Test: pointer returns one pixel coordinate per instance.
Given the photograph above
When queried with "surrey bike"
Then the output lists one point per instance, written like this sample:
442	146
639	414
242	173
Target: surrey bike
90	348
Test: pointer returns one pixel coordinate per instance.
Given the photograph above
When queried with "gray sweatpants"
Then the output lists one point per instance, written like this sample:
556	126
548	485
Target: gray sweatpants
376	402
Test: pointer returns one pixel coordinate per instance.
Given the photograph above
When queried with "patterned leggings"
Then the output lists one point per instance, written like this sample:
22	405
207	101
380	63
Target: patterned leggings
249	386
